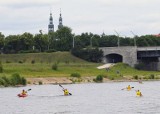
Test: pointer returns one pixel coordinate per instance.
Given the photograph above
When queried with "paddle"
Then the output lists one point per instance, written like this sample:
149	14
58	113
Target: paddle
126	88
63	88
29	89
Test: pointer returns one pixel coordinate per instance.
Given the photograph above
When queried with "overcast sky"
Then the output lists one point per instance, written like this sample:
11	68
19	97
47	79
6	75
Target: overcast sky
96	16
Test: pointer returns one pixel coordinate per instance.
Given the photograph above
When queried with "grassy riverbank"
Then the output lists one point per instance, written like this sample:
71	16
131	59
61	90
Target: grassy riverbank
40	65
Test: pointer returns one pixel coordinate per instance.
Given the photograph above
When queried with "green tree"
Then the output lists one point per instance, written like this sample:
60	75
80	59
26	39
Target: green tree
141	41
26	41
1	40
41	42
12	44
62	39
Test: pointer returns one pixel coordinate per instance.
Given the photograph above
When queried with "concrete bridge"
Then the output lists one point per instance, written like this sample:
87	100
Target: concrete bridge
130	54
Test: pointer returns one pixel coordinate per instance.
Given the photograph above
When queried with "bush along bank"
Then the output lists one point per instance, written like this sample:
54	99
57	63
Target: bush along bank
14	80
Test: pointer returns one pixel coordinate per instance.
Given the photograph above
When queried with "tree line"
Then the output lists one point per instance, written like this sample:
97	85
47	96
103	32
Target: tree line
64	40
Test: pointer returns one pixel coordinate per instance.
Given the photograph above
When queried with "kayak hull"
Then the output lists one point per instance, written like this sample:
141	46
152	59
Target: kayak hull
138	95
20	95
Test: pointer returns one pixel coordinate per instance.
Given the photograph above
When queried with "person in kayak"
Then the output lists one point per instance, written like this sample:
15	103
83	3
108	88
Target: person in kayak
129	87
140	81
66	92
24	92
138	93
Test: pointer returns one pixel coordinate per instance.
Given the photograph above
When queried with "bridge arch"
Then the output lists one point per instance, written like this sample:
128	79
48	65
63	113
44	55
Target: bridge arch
113	58
127	54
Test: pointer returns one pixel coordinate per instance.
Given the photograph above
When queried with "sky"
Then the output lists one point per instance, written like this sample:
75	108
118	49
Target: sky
96	16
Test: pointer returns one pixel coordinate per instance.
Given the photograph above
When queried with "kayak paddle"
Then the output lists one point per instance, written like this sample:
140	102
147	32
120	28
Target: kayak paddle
29	89
61	86
126	88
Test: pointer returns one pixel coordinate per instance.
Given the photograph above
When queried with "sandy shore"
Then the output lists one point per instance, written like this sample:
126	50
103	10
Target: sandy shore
49	80
70	80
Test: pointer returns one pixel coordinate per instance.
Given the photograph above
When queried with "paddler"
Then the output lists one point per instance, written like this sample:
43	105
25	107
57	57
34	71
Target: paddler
66	92
140	81
24	92
138	93
128	88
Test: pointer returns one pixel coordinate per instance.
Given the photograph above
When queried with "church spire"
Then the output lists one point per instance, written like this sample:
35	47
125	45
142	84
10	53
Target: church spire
60	21
51	25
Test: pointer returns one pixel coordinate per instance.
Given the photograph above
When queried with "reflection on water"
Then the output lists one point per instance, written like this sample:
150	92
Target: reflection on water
101	98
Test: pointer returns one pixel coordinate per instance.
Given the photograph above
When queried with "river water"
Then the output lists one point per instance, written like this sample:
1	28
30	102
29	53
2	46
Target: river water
92	98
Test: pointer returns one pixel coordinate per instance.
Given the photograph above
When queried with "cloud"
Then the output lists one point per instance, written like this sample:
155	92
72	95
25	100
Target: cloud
140	16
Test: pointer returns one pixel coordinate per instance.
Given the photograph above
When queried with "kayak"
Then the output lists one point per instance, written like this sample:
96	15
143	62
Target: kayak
68	94
20	95
128	89
138	95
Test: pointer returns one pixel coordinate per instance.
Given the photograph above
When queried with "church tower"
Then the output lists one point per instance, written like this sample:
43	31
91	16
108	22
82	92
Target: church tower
51	25
60	21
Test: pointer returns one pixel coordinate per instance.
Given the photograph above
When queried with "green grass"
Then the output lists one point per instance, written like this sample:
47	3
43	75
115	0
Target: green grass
45	70
67	64
60	57
127	71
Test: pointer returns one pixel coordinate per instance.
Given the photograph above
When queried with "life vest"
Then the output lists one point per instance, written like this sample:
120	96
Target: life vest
66	92
24	93
138	93
128	88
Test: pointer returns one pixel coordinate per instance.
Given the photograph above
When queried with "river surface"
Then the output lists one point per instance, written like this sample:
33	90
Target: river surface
92	98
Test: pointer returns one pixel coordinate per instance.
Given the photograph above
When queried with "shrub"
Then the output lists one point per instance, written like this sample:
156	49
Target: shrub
20	61
135	77
99	78
5	81
40	83
55	66
33	61
1	68
16	79
77	75
151	76
1	81
24	81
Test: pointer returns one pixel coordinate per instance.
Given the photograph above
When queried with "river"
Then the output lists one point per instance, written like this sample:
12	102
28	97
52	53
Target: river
92	98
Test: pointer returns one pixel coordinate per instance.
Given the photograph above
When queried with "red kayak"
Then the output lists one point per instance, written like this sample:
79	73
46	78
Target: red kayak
21	95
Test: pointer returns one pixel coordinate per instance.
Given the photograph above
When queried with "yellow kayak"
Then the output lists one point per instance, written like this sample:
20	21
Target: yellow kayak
128	89
139	95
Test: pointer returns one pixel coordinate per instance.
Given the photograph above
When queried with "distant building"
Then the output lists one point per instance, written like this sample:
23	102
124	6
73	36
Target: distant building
51	25
60	21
